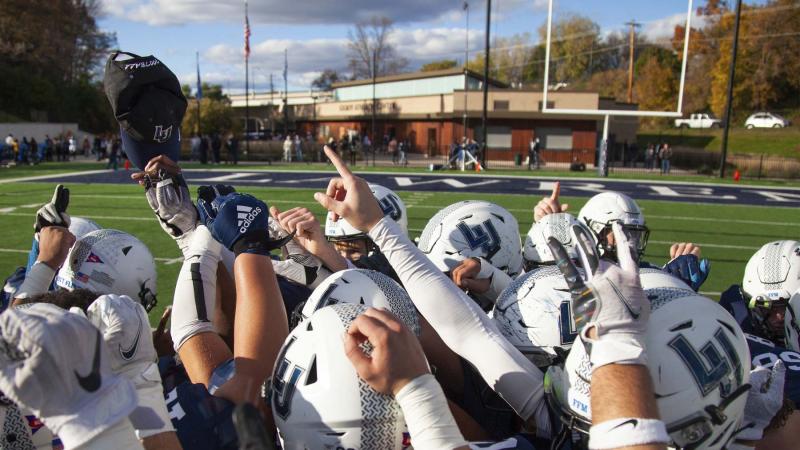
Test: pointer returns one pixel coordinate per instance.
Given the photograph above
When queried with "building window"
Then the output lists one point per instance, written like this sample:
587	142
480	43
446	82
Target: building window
555	138
550	105
501	105
498	138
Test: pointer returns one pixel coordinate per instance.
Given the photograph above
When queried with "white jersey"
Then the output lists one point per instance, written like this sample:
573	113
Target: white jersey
463	326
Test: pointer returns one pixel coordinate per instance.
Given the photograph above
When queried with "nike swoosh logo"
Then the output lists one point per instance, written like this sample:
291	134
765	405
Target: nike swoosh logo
129	353
92	382
635	315
634	422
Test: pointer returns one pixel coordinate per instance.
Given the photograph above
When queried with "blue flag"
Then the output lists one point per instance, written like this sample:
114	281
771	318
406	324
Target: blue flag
199	85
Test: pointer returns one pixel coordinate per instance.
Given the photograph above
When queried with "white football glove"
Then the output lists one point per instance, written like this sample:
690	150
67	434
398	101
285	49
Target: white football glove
54	212
170	200
126	332
611	300
56	364
763	401
300	265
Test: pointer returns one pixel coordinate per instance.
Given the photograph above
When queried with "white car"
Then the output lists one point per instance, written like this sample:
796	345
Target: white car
700	120
765	120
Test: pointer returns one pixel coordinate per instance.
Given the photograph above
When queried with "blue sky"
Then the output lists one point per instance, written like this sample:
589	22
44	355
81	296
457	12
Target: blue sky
315	31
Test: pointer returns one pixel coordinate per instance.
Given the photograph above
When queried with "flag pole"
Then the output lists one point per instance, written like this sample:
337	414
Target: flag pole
246	81
199	92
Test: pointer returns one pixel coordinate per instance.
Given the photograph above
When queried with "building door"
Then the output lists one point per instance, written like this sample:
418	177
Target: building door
432	147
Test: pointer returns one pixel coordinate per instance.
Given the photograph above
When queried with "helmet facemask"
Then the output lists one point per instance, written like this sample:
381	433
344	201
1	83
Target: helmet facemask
762	309
637	236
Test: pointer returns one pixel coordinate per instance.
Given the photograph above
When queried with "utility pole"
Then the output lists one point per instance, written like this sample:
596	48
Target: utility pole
374	76
632	37
285	92
466	71
272	105
729	100
486	82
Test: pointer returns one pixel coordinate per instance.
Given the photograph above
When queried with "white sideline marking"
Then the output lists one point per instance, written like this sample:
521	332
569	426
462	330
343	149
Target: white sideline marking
737	247
52	175
137	219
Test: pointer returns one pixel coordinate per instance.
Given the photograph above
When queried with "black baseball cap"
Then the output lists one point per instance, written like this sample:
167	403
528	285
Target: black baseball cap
148	103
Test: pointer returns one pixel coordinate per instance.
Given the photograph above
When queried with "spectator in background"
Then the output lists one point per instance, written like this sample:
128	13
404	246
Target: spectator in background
665	154
533	153
86	148
233	149
649	156
33	151
298	148
96	146
204	149
195	146
72	147
22	158
287	149
391	148
216	146
112	154
65	148
48	147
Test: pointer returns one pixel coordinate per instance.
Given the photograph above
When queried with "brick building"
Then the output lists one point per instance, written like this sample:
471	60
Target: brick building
429	109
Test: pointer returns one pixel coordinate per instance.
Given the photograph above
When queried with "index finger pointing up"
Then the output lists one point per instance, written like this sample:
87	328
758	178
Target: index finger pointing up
556	191
341	167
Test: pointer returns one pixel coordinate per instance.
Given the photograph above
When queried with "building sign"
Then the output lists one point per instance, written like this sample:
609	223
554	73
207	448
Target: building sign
365	107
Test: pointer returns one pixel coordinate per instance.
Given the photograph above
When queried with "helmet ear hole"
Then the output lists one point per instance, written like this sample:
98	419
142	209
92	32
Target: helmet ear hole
312	371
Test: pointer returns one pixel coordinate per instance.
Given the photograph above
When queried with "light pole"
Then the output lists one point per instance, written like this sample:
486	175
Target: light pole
486	83
374	75
466	72
729	101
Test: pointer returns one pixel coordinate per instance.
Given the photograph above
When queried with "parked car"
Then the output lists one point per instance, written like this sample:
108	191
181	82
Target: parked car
765	120
700	120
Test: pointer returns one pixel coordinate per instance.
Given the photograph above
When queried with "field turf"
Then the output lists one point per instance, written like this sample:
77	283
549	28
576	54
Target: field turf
729	235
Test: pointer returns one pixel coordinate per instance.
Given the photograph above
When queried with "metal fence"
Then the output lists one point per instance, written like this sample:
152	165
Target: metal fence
684	160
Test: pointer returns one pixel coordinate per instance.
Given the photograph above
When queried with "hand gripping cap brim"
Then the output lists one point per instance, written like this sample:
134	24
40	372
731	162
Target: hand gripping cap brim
140	152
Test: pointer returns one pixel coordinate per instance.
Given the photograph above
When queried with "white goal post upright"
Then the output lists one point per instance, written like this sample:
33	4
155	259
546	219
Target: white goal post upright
607	113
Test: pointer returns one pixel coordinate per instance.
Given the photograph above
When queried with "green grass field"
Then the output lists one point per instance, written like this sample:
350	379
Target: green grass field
729	234
778	142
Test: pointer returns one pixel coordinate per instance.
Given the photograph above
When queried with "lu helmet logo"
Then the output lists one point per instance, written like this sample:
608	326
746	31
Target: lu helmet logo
245	216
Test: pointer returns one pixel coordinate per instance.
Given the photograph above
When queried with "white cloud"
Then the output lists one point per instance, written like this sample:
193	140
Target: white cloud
664	28
174	12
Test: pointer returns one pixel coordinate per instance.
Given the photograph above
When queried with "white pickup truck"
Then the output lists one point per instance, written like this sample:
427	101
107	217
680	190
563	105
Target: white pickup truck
698	121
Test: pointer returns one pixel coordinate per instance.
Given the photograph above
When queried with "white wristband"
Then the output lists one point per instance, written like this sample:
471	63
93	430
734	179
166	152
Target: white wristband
37	280
627	432
429	421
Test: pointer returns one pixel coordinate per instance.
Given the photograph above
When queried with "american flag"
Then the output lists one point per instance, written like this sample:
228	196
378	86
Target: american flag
246	33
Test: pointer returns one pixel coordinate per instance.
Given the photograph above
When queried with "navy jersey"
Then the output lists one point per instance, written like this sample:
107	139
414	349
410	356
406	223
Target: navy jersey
201	420
764	353
733	301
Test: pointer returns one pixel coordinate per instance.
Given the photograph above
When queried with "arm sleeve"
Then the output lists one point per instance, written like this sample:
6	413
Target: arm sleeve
499	280
466	329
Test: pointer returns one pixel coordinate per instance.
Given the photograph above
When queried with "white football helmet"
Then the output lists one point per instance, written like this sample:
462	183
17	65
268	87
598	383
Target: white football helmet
311	366
652	278
536	251
607	207
111	262
699	362
771	276
80	227
389	202
362	287
791	322
534	313
473	229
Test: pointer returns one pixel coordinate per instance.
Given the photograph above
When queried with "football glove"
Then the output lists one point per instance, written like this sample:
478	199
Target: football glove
240	222
763	401
611	300
689	269
54	213
168	197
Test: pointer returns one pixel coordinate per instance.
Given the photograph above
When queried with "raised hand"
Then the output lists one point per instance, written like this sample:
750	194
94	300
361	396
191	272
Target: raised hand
396	356
549	205
609	308
240	222
689	269
349	196
764	400
54	213
168	196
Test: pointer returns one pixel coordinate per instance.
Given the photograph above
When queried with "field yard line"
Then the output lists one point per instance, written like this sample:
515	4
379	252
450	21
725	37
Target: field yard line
166	261
52	175
715	219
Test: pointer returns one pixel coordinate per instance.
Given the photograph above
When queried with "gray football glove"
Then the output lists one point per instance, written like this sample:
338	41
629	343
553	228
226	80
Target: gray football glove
610	300
763	401
169	199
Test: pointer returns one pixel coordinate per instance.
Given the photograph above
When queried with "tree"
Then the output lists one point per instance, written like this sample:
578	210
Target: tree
510	59
573	41
656	85
324	81
371	38
441	64
215	116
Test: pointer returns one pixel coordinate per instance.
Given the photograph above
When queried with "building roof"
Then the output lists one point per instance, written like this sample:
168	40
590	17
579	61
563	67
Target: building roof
418	76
